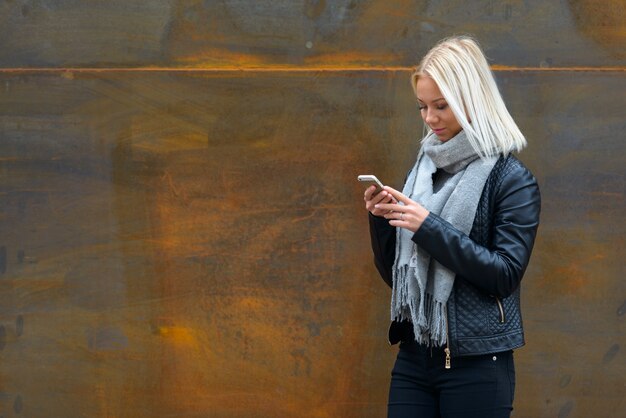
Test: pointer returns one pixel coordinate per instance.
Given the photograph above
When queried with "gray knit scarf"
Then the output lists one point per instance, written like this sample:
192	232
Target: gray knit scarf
421	286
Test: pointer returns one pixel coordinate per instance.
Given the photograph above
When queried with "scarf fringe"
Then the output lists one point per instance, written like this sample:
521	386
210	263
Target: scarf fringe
427	315
437	324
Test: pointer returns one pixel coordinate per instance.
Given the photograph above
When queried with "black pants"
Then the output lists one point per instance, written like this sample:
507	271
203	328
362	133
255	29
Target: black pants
476	386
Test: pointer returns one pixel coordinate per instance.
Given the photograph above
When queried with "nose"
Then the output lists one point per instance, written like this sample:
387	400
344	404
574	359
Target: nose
430	116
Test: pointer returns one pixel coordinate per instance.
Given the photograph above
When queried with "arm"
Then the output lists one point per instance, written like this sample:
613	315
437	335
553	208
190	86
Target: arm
383	237
497	270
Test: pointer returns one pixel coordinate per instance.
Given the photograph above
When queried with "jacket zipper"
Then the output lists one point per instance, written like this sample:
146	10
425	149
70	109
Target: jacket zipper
447	349
501	308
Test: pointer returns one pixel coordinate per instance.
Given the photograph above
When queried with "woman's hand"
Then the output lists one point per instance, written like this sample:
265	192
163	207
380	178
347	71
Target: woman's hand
409	214
371	200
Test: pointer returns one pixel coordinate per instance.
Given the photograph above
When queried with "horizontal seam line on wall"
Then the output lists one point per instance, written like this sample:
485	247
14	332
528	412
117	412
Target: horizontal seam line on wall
293	69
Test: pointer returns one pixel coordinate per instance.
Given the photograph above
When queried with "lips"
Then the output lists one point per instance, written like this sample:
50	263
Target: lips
438	131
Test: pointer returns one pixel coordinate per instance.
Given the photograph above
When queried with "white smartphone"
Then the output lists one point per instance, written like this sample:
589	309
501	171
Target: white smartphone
371	180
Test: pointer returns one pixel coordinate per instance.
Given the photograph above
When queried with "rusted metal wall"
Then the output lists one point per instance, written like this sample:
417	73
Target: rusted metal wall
181	232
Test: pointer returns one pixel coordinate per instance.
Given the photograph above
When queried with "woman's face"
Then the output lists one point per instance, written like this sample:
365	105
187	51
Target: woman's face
435	110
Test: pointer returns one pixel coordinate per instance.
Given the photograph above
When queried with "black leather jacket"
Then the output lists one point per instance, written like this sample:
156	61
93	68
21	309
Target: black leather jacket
484	307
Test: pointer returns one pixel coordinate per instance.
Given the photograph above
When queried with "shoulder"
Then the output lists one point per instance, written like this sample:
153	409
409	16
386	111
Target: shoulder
510	176
510	170
509	165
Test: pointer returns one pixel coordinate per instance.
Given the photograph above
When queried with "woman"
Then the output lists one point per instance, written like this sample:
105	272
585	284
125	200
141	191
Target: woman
455	243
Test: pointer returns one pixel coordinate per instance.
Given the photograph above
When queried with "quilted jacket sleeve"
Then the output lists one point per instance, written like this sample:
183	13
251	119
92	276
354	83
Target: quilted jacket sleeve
497	270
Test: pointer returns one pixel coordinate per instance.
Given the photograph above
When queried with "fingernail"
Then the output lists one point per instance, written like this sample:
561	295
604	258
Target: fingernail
376	206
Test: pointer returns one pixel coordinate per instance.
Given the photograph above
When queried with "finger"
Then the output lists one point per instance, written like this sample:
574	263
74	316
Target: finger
391	207
389	199
398	195
396	216
369	193
386	206
377	198
398	223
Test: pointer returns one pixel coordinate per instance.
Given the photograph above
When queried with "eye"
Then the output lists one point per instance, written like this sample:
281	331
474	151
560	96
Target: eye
442	106
421	107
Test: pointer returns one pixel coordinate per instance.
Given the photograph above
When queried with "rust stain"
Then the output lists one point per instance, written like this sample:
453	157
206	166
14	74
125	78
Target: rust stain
578	261
288	69
602	22
504	68
351	59
178	335
219	57
224	69
576	273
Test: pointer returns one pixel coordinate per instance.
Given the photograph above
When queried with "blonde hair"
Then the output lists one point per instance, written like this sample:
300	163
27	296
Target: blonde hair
459	68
